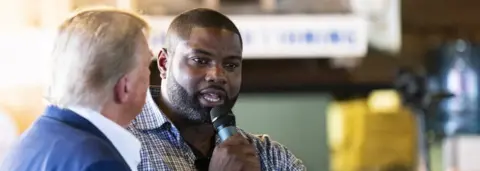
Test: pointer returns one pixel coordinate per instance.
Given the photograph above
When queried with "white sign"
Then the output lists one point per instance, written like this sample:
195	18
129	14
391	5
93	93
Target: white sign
291	36
461	153
384	25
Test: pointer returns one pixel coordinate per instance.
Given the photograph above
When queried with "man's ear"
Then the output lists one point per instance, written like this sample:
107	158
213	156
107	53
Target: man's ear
162	63
122	90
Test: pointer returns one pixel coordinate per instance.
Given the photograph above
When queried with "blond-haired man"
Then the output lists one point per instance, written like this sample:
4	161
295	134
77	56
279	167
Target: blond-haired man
98	86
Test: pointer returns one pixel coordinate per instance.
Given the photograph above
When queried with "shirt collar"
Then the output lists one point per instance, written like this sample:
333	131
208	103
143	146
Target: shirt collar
126	143
151	117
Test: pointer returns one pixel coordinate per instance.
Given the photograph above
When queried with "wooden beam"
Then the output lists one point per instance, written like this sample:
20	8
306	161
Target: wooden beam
290	73
440	12
212	4
268	5
126	4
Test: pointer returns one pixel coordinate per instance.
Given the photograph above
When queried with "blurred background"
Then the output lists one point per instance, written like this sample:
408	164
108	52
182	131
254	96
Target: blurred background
347	85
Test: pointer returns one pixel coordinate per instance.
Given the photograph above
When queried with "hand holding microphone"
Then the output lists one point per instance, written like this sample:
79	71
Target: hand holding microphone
235	153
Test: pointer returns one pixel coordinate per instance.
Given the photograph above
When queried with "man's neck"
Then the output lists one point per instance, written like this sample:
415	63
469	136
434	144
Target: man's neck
197	135
116	116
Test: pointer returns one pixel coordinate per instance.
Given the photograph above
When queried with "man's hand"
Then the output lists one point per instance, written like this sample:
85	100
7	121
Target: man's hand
235	154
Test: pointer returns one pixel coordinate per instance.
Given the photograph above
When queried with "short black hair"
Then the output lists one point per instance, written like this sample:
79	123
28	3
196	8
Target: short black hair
183	24
155	78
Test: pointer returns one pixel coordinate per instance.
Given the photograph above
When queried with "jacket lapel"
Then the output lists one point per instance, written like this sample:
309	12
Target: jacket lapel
75	120
71	118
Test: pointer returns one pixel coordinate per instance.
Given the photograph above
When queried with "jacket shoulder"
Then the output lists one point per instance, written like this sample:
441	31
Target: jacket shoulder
58	147
103	165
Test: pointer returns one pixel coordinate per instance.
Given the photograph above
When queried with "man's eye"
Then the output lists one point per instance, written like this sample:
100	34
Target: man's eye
200	60
231	66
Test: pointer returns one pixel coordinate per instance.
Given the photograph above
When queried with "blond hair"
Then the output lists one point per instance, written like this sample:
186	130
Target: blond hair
93	49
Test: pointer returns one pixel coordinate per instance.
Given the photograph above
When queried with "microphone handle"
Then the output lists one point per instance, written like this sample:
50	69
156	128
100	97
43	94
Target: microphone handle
225	132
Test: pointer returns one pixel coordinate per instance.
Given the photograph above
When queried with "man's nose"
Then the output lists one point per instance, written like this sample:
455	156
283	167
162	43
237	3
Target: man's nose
216	74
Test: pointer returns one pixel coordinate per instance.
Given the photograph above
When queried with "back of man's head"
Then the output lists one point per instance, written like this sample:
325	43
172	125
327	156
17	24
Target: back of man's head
93	49
182	25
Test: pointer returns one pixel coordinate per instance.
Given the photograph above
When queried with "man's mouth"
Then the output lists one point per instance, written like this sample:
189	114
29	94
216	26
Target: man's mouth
212	97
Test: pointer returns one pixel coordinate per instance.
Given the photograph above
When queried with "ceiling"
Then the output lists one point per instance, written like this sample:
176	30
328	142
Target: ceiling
440	14
425	25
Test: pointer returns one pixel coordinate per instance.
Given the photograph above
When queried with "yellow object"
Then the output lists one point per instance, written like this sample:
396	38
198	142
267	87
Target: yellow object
384	101
364	137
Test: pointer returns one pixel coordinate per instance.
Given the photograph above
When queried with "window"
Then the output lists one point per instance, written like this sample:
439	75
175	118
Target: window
240	7
85	3
166	7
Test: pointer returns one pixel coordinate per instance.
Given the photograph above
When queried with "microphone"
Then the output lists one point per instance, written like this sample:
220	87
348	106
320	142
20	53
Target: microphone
223	121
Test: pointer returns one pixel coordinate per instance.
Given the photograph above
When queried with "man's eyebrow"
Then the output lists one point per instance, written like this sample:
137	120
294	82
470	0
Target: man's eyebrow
206	53
200	51
234	58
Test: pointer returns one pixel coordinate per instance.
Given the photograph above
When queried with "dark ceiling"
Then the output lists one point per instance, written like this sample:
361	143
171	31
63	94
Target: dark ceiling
425	25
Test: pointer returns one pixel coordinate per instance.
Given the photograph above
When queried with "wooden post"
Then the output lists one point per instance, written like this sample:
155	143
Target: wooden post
268	5
127	4
212	4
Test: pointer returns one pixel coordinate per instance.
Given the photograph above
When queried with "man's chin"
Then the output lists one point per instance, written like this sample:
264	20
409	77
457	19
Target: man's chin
200	121
202	117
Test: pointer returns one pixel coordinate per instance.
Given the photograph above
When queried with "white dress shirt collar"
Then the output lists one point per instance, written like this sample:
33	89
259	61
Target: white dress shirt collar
125	142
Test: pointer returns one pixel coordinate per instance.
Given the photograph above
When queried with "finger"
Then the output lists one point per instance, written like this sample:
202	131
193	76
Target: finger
234	140
241	151
251	164
243	139
252	159
249	150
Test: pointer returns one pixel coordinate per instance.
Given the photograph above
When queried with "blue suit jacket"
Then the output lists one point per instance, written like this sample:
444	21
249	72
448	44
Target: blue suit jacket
61	140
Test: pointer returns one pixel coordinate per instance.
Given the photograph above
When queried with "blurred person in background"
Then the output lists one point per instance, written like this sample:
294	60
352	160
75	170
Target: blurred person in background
201	67
98	86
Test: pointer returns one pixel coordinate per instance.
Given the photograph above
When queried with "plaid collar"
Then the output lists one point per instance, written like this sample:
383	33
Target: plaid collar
151	117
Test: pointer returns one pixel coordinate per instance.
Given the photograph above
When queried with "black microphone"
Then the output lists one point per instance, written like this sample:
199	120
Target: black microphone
224	121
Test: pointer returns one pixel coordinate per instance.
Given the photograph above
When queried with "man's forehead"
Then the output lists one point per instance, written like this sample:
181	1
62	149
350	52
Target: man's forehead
213	34
206	30
202	37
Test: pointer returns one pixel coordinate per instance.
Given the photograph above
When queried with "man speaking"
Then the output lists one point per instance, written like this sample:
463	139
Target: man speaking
99	82
201	69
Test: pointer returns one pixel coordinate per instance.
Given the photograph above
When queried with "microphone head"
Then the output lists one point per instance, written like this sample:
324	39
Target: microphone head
219	111
222	116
